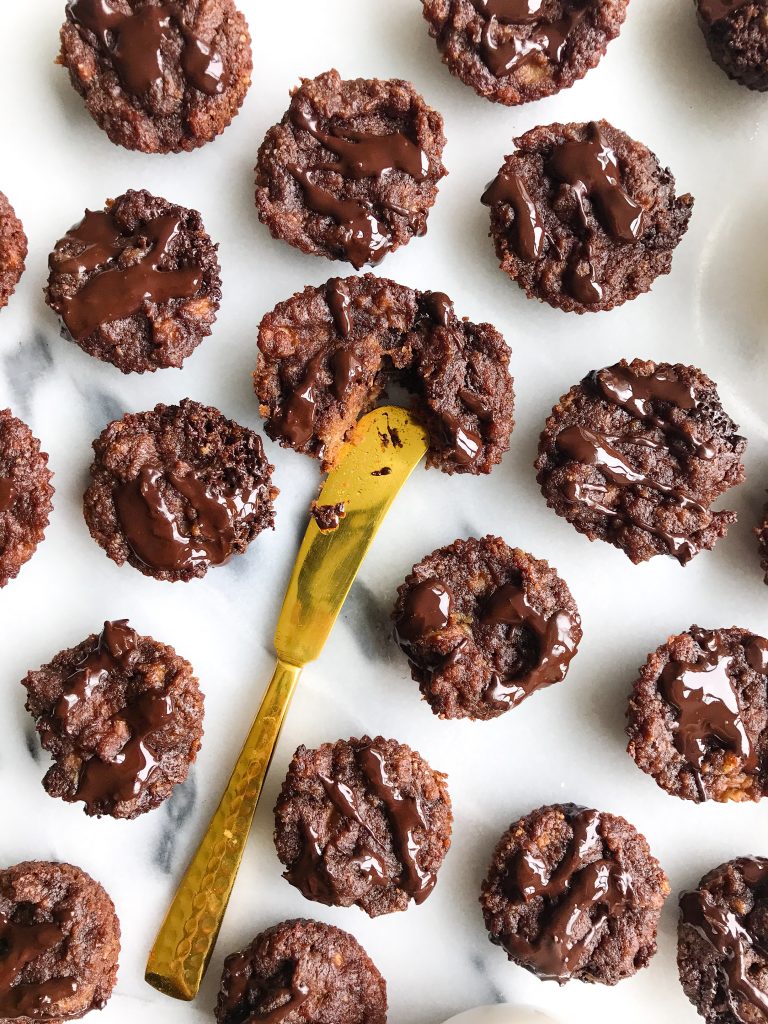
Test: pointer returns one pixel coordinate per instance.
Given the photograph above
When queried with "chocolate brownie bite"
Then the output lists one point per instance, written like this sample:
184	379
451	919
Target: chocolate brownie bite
583	217
25	495
515	51
136	284
698	715
364	822
636	453
484	626
177	490
302	972
59	943
327	354
761	532
351	171
121	715
157	76
736	32
574	893
13	250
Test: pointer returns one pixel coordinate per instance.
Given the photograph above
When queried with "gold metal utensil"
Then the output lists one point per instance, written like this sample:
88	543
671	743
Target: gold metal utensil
383	450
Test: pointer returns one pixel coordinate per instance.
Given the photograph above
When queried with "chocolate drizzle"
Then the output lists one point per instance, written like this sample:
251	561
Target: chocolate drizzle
717	10
337	295
439	308
465	443
510	12
7	493
296	419
134	44
528	233
548	40
583	888
116	291
21	944
151	525
708	715
509	606
347	371
427	609
727	933
238	996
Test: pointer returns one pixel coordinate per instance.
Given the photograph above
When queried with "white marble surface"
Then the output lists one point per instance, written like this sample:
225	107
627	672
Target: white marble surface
567	743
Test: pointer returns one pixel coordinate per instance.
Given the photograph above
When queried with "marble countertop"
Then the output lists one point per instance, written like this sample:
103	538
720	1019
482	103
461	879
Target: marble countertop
658	83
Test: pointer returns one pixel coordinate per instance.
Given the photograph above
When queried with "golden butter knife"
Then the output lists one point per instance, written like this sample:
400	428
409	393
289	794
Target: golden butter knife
384	448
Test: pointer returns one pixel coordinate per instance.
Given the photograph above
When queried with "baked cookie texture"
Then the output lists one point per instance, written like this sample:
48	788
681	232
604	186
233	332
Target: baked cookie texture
157	76
761	532
516	51
698	715
59	943
25	495
177	490
583	217
327	354
574	893
721	952
484	626
363	822
13	250
121	715
302	971
351	171
736	32
636	453
136	284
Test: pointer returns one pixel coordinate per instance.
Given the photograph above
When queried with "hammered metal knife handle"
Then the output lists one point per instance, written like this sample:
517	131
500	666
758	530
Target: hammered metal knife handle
184	944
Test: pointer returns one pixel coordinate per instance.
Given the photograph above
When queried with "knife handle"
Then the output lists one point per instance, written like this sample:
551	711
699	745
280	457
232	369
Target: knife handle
184	944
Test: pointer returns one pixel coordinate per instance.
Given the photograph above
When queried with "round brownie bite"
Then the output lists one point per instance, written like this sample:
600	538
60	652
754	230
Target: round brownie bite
484	626
636	453
515	51
302	972
698	715
59	943
583	217
25	495
121	715
157	76
364	822
351	171
327	354
13	250
136	284
736	32
177	490
574	893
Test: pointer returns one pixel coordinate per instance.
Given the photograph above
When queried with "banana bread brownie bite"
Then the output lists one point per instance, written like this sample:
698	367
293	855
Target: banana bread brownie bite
302	972
484	626
698	715
515	51
13	250
158	77
59	943
736	32
574	893
583	217
351	171
364	822
136	284
25	495
327	353
636	453
177	490
121	715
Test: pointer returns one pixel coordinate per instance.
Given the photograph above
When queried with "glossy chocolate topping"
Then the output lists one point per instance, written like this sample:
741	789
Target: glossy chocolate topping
509	606
295	421
591	169
118	291
727	932
347	371
7	493
135	44
756	652
548	40
465	443
581	279
717	10
528	232
703	694
238	991
20	946
427	609
145	507
577	893
337	294
510	12
439	308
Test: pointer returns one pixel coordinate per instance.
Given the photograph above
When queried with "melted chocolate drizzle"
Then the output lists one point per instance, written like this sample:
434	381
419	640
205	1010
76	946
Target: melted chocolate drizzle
20	946
239	994
115	292
439	308
464	442
347	371
510	12
726	932
575	891
338	298
295	421
548	39
134	43
717	10
528	232
426	609
7	493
